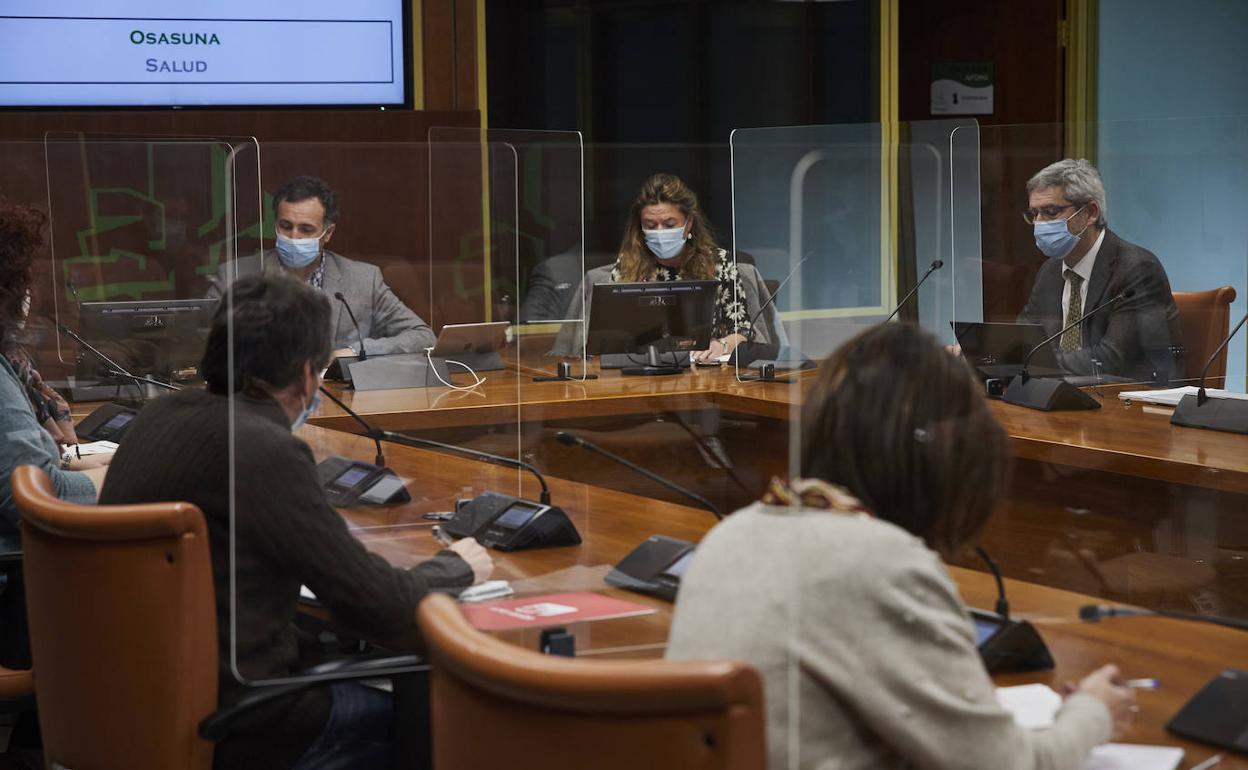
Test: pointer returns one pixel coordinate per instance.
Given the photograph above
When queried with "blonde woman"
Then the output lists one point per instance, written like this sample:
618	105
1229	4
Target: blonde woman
667	238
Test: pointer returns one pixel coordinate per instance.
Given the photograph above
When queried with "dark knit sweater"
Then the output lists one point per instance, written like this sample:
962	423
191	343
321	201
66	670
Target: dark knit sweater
286	534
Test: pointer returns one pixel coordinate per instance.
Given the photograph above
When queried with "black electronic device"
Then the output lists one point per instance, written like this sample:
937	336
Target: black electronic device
1007	645
498	521
349	482
107	423
1200	411
996	350
164	338
1055	395
565	375
557	641
655	567
655	319
1218	714
509	523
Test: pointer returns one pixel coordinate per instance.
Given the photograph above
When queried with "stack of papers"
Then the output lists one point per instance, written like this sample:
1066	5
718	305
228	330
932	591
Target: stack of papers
1035	706
1173	396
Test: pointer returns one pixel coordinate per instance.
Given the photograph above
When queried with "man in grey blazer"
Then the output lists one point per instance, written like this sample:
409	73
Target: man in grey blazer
306	210
1137	337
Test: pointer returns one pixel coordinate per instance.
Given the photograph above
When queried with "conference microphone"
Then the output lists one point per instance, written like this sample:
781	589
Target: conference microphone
567	439
370	431
936	265
496	520
1002	607
772	299
1225	414
1124	294
338	296
379	434
1007	645
1051	394
115	369
1093	613
750	350
148	380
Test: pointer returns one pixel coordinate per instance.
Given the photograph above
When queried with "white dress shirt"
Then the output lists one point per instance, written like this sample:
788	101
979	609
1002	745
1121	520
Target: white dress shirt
1084	269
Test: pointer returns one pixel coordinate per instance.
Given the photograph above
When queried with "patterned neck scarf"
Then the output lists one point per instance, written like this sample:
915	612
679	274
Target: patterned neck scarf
812	493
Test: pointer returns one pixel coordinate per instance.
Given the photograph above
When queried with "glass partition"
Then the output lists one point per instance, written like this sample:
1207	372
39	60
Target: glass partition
421	255
1113	494
140	231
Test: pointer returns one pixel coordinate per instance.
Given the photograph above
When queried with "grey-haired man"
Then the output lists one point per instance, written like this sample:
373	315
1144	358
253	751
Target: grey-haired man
1138	337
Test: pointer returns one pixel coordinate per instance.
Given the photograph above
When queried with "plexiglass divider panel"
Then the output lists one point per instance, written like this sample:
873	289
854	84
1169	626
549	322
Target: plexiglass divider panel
410	252
141	229
1122	500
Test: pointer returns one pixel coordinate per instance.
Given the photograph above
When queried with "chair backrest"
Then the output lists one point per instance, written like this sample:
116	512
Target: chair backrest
123	628
498	705
1205	318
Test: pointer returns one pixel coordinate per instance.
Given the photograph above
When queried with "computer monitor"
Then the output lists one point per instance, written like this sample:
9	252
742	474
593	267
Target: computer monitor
159	338
651	319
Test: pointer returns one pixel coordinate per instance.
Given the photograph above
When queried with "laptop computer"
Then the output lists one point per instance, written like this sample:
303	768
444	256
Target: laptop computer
996	350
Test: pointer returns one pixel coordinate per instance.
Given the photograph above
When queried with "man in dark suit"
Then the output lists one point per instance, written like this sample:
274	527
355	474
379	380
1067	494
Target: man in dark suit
306	210
1136	338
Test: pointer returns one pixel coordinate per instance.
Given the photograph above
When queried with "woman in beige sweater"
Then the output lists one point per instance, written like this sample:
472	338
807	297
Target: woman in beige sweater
833	586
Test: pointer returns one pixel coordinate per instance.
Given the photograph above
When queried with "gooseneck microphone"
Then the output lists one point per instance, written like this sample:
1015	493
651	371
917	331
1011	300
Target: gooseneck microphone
1124	294
1012	645
567	439
115	369
772	299
1225	414
936	265
379	434
370	431
1003	606
1201	395
1092	613
148	380
338	296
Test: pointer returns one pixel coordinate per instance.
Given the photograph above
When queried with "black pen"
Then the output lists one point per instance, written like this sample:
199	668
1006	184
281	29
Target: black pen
77	451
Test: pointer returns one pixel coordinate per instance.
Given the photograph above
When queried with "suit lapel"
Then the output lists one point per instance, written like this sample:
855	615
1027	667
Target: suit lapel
332	282
1104	267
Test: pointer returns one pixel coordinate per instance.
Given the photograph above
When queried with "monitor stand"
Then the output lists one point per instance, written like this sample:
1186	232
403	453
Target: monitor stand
653	366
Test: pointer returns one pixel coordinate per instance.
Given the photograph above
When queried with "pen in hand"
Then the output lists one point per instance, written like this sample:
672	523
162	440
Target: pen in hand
446	540
77	451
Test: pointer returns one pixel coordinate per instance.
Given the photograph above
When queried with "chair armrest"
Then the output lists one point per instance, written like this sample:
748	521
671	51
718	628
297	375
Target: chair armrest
16	683
216	726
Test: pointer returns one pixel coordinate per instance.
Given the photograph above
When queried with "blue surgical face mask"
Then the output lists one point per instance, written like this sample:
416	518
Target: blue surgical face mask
311	407
298	252
1054	238
666	244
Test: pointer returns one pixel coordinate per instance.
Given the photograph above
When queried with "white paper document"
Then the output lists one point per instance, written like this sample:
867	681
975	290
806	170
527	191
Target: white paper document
1173	396
1035	707
93	448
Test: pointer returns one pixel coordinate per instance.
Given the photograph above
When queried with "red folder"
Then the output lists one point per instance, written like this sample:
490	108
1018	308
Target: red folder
549	610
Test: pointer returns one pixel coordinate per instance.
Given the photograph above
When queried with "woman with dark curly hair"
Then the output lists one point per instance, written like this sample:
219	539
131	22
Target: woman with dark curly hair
33	418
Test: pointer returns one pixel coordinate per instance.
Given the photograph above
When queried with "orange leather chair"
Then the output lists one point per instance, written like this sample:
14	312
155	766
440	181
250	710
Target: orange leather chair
499	705
123	633
1205	317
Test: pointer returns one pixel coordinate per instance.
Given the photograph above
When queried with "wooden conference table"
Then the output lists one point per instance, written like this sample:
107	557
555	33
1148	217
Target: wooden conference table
1128	439
1182	655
